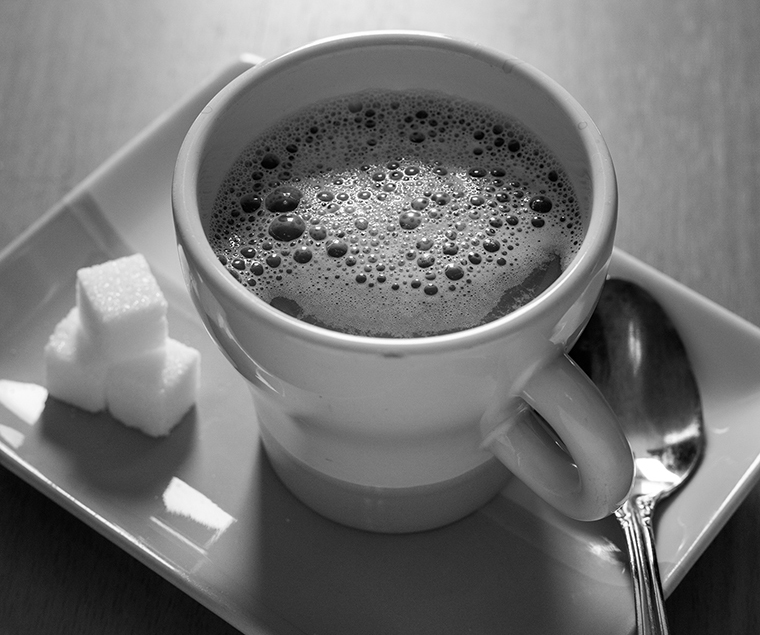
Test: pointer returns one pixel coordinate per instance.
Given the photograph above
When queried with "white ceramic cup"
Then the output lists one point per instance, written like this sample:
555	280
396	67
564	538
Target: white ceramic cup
407	434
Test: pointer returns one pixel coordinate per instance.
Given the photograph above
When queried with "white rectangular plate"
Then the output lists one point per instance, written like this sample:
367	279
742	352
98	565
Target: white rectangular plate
203	508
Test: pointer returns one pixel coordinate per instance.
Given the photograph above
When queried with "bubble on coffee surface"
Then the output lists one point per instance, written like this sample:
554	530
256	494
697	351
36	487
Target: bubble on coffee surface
390	214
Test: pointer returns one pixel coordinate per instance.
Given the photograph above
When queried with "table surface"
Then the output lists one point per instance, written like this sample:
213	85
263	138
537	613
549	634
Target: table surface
673	86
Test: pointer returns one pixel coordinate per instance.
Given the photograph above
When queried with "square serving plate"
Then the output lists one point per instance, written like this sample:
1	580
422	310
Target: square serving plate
203	508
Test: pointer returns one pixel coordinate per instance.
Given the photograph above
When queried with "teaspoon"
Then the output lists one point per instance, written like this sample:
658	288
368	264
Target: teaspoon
632	352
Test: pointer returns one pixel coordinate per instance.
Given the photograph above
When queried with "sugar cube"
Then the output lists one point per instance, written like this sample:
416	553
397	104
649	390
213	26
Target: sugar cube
74	370
152	392
122	307
113	351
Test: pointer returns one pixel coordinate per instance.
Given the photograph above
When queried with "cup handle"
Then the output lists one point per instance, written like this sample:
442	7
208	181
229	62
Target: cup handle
581	462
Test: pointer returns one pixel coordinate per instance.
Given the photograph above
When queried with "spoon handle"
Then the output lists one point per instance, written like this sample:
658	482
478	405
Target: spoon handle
635	517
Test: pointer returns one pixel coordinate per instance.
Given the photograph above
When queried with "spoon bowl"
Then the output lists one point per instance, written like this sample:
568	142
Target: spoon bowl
633	353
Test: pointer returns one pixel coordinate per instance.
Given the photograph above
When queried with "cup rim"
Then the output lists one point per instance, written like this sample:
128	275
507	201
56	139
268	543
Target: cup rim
192	238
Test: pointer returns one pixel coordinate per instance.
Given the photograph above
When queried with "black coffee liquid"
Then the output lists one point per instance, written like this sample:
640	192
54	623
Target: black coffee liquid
404	214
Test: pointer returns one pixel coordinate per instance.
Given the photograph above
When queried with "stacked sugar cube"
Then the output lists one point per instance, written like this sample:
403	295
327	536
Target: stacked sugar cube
112	351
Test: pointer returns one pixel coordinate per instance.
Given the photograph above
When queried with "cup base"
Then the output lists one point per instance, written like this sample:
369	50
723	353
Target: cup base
387	509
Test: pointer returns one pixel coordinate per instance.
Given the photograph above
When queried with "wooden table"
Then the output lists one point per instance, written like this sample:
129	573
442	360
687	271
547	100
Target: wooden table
674	87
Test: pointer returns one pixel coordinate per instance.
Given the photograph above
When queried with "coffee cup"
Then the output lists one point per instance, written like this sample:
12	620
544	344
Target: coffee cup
410	433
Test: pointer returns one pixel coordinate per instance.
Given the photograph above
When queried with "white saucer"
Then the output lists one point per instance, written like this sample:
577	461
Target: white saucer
203	508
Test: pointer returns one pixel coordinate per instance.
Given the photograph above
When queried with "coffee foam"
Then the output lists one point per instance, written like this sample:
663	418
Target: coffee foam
396	215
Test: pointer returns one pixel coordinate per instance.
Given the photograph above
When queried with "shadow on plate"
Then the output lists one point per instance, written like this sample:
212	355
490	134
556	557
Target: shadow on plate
112	457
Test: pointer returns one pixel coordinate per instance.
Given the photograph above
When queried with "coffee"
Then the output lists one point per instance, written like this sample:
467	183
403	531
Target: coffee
396	214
